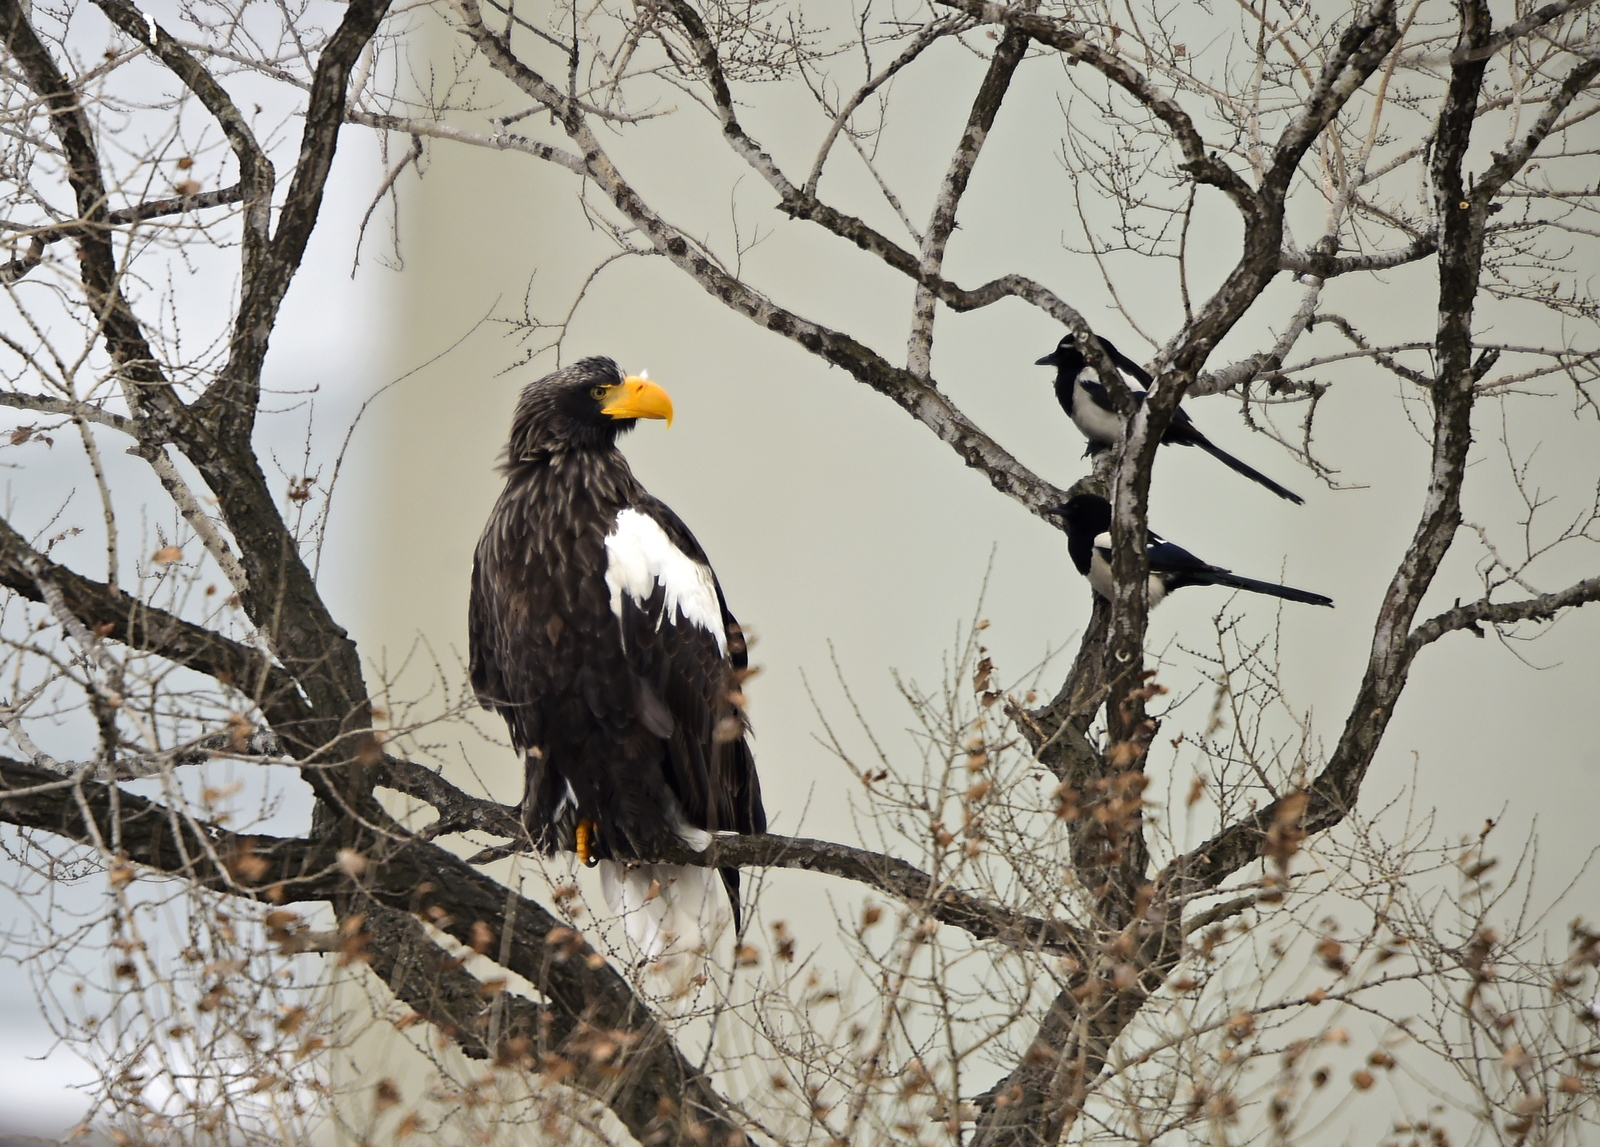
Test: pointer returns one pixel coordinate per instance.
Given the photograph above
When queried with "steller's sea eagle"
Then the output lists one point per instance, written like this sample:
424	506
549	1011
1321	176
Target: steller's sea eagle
600	634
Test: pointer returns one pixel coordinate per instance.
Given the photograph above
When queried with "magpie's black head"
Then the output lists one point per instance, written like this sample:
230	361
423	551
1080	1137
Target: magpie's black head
582	407
1065	354
1084	514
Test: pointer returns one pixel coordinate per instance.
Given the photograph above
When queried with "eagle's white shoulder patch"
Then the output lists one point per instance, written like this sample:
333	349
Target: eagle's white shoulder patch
640	556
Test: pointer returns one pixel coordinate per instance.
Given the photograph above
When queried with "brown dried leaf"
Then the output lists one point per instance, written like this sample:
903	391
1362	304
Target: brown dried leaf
783	942
245	864
1515	1058
482	937
291	1019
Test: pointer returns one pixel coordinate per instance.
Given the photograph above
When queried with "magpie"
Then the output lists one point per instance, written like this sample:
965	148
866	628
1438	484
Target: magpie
1087	402
1088	525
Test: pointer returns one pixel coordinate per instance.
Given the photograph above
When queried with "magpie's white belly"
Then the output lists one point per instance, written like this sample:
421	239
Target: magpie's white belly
1100	574
1097	423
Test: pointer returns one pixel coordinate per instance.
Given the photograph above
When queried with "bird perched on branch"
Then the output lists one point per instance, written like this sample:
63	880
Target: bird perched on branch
1087	518
1087	402
600	634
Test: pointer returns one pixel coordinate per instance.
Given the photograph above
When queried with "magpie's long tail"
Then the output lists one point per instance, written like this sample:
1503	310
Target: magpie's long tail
1195	438
1233	580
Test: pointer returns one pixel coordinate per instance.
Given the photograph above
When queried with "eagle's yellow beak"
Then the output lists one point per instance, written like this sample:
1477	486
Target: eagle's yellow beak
636	397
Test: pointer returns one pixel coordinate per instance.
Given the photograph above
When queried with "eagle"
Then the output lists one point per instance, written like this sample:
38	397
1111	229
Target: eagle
599	633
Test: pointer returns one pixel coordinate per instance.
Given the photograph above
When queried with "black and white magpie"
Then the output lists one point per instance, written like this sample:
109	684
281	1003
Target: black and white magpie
1087	402
1088	526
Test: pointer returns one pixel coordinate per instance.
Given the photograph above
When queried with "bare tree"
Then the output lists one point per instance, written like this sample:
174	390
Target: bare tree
1051	962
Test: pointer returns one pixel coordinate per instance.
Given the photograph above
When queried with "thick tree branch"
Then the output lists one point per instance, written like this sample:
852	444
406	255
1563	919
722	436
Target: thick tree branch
499	141
1534	20
138	213
237	387
49	404
980	119
1471	616
108	612
658	1094
1508	163
1325	266
458	811
255	169
920	398
982	919
1329	797
124	337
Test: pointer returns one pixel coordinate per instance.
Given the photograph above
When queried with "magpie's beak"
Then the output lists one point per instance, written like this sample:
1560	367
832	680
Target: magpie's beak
637	397
1048	360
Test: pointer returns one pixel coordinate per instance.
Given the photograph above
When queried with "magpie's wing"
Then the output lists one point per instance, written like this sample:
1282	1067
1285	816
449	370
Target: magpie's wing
1126	365
1168	557
1181	568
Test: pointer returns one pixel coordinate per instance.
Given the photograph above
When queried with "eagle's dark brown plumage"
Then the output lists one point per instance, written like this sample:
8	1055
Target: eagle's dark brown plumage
598	631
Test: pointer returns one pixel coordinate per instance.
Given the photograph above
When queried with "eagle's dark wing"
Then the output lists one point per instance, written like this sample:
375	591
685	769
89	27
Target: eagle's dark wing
686	651
546	654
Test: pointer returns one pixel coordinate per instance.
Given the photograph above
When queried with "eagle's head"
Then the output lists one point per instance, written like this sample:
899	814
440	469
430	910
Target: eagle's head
582	407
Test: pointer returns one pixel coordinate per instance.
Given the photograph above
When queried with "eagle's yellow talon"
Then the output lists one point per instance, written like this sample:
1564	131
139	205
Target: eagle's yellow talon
585	843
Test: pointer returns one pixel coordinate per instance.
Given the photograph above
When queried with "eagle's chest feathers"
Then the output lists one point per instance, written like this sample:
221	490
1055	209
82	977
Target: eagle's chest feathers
585	548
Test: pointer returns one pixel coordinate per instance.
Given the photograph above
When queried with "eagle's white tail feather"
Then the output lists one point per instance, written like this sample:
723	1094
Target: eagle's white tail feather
674	913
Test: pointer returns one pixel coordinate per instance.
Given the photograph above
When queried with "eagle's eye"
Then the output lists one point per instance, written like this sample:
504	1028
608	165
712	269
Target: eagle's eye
598	392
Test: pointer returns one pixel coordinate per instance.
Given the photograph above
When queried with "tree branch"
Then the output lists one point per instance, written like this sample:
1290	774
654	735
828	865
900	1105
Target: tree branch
108	612
1058	34
237	387
920	398
985	107
1538	18
1541	608
979	918
124	338
256	176
1325	266
658	1094
982	919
